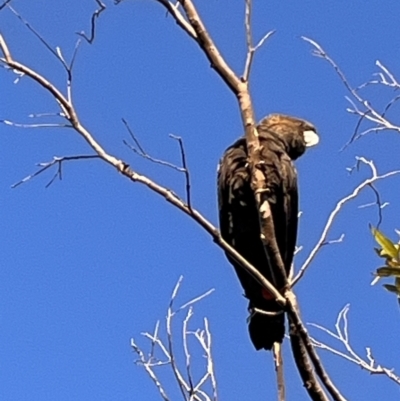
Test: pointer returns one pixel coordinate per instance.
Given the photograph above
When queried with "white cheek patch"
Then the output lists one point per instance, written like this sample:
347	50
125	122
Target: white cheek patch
310	138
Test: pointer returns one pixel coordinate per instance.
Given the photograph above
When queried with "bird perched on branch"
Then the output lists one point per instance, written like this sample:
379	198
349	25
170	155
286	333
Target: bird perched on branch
282	140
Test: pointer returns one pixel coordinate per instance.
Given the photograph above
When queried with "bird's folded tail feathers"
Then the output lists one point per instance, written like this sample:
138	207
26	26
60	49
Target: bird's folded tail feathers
266	329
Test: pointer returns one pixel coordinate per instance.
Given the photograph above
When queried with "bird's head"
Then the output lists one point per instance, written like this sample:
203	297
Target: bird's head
296	134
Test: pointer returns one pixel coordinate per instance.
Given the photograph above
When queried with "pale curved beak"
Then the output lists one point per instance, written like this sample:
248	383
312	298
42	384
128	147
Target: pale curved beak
310	138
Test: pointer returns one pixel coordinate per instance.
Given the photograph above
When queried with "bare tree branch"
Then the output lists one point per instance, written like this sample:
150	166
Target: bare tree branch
95	16
39	125
56	161
341	334
185	169
141	152
5	4
323	238
249	41
258	184
368	111
191	389
315	391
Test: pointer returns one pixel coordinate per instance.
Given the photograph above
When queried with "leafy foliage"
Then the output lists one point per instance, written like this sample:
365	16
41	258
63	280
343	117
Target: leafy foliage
390	252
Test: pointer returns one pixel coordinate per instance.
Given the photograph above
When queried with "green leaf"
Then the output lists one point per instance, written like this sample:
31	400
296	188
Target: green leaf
393	263
397	283
388	248
392	288
388	271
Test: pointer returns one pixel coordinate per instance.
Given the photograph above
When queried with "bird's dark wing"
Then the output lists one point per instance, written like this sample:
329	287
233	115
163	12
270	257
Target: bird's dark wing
239	222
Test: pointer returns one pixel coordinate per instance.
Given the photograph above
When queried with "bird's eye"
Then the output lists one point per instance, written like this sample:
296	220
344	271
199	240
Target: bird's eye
310	138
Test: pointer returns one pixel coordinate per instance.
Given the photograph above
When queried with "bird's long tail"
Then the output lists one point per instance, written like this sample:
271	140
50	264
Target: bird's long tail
267	325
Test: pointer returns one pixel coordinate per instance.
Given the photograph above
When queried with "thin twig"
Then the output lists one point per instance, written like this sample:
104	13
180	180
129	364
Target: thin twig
149	371
323	238
5	4
40	125
56	161
173	9
342	335
369	112
185	169
186	349
190	390
95	16
141	152
170	314
56	53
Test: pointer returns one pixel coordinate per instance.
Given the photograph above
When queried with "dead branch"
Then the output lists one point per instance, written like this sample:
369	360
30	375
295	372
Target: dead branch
362	107
5	4
68	110
251	49
142	153
323	238
191	389
341	334
56	161
95	16
184	169
241	91
315	391
57	53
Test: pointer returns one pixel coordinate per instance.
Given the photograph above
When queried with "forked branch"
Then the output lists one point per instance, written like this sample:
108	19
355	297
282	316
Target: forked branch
193	387
342	336
339	206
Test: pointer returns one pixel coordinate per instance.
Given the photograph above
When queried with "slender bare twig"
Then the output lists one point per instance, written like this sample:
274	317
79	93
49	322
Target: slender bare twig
341	334
95	16
57	53
141	152
190	389
185	169
251	49
56	161
170	314
173	9
377	202
323	238
186	350
368	111
5	4
39	125
149	370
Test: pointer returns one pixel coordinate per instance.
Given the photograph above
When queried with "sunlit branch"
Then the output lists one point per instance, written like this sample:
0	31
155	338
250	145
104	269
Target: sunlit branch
191	389
58	161
38	125
70	113
341	334
241	91
369	112
294	318
323	238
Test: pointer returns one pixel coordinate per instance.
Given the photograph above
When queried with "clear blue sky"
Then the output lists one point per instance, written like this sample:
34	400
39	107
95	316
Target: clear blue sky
90	262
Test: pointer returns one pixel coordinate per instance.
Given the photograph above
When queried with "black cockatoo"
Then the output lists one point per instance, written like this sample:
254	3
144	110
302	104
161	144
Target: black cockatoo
283	139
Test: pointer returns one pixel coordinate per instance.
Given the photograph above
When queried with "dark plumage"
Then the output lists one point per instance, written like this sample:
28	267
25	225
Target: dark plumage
282	139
